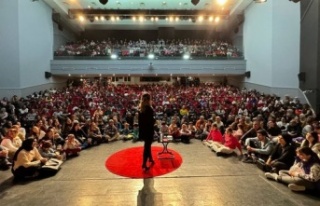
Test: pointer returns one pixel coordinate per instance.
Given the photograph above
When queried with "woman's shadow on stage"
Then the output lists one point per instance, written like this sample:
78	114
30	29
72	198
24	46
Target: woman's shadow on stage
148	196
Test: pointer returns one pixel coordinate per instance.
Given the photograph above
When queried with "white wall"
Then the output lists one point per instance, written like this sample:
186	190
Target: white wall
257	40
36	42
9	46
271	36
26	41
285	44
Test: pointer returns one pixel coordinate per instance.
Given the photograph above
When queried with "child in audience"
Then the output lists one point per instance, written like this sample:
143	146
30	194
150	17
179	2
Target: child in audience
72	146
229	146
214	136
48	152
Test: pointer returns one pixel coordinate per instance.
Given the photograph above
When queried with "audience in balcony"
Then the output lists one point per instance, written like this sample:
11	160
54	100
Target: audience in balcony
141	48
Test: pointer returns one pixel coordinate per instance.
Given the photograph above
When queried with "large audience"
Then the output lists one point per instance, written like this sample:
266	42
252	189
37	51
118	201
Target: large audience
279	135
142	48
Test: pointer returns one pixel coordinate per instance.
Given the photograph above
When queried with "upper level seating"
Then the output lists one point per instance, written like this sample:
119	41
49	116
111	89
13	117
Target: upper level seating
141	48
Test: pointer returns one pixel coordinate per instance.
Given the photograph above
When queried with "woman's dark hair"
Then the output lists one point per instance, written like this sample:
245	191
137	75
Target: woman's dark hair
308	151
315	137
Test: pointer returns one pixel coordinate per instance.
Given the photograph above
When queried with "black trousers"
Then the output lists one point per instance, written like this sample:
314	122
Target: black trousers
147	155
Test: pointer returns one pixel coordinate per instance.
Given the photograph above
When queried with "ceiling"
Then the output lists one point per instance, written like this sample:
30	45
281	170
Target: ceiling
71	10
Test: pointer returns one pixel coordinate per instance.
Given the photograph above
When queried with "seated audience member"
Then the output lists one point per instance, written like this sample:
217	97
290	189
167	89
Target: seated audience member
111	131
34	133
282	156
125	134
164	129
273	130
214	136
72	146
4	160
294	129
282	124
312	141
303	175
174	131
80	135
259	148
16	141
231	143
239	132
27	160
47	151
135	132
7	142
219	124
184	111
201	133
251	133
54	138
185	134
192	128
200	121
95	134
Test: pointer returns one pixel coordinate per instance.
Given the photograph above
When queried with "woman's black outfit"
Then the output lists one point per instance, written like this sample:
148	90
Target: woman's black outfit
146	131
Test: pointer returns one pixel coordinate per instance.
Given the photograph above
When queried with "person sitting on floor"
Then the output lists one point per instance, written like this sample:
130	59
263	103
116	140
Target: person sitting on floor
201	133
259	147
95	134
174	131
111	131
214	136
27	160
80	135
125	134
185	134
312	141
282	156
251	133
72	146
46	150
135	132
303	175
231	143
7	142
4	160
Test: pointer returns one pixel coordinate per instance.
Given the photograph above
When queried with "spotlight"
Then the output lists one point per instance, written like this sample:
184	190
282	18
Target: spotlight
186	56
114	56
195	2
104	2
295	1
151	56
260	1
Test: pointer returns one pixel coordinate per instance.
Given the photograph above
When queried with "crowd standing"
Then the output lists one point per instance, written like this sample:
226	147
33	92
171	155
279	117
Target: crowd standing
279	135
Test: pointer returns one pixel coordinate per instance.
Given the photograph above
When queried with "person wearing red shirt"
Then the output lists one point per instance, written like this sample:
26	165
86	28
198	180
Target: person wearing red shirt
229	146
214	136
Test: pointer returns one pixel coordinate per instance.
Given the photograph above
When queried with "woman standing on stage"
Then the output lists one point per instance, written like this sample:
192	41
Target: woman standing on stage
146	130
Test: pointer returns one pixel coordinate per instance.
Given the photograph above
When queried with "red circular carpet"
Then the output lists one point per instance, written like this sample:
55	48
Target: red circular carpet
128	162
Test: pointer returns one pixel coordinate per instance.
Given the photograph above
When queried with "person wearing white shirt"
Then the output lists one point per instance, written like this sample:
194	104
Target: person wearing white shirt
7	142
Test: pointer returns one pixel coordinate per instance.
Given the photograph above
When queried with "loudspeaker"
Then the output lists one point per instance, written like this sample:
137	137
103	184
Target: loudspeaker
56	18
195	2
104	2
247	74
47	75
240	19
302	76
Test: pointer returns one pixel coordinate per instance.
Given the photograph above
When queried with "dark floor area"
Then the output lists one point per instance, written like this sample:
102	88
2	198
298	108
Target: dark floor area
202	179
